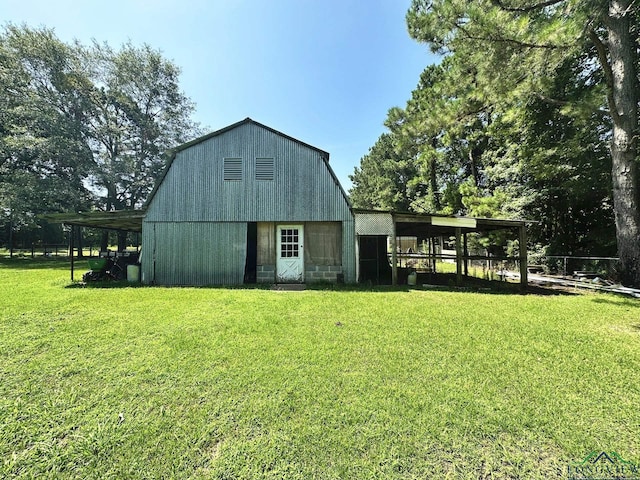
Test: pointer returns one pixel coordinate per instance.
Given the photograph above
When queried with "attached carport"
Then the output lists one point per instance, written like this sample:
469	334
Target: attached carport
372	224
120	221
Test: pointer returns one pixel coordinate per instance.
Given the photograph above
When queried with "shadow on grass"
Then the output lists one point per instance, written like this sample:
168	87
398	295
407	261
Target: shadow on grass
434	282
628	302
109	284
447	282
39	262
438	282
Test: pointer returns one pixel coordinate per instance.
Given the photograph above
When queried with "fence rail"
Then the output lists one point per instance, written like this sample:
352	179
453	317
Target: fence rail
52	250
564	265
567	265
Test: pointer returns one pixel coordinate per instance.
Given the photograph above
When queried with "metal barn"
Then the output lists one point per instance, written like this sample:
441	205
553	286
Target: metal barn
248	204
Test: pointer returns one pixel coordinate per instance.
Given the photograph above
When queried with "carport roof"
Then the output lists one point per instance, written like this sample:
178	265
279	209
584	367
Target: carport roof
125	220
397	224
411	223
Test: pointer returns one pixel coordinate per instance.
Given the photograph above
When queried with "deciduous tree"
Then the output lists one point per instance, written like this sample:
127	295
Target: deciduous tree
83	126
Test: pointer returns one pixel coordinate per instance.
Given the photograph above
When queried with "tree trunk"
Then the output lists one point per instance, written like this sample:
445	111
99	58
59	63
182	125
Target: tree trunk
433	177
474	155
122	241
11	236
624	112
104	241
79	242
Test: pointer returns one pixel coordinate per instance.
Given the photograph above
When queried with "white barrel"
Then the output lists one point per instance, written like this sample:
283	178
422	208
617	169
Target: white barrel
133	273
412	278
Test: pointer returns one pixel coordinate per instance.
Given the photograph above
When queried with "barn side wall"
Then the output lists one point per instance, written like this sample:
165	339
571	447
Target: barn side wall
194	253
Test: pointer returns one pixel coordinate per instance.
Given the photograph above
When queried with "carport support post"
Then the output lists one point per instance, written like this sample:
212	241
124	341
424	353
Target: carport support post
394	255
458	256
524	280
434	252
466	255
11	235
71	246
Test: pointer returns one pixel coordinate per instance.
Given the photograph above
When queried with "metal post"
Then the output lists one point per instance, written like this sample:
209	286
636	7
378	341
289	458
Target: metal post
11	235
394	255
458	256
466	255
524	280
434	250
71	246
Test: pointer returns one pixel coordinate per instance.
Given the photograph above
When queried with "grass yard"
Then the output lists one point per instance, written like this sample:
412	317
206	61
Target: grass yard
352	384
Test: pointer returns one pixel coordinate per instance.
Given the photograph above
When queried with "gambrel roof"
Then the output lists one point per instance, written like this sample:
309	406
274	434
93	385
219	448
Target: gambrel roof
173	152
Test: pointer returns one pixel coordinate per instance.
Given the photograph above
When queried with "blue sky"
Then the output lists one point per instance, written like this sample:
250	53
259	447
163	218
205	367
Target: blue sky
323	71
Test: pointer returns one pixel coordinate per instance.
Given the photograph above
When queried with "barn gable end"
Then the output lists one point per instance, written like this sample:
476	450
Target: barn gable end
226	194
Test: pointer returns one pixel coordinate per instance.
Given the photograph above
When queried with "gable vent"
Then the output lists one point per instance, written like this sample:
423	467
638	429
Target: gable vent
233	169
264	168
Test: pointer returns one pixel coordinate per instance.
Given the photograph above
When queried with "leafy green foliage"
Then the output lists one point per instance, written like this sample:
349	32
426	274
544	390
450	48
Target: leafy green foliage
82	127
385	179
514	122
137	112
519	50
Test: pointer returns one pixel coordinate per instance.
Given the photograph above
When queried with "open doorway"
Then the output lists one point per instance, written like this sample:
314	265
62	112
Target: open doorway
374	263
250	267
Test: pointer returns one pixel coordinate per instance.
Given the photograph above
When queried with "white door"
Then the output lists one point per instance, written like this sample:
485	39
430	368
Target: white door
290	254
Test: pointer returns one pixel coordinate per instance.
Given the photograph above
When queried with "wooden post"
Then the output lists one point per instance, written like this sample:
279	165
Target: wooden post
11	235
458	256
394	255
524	280
434	249
71	246
466	255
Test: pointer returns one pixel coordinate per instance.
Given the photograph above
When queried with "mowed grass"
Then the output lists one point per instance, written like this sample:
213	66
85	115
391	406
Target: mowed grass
249	383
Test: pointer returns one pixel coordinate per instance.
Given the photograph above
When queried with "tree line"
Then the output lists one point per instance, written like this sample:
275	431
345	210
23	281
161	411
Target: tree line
82	127
532	113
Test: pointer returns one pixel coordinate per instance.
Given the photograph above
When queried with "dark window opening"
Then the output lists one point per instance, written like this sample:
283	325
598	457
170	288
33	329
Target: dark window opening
289	246
251	265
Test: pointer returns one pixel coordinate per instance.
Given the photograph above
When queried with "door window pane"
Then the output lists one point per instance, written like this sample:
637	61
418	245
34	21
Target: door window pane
289	243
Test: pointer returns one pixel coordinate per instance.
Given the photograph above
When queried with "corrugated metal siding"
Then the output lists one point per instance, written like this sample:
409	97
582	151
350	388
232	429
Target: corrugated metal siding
194	253
147	252
349	251
302	188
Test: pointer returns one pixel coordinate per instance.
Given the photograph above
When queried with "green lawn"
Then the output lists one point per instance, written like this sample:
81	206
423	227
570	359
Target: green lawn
251	383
